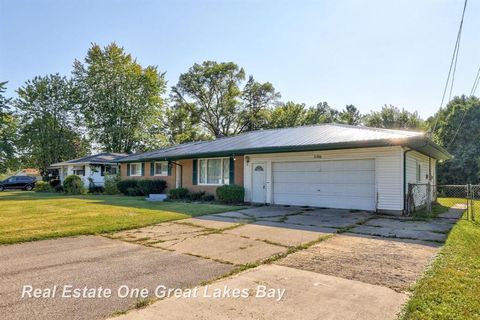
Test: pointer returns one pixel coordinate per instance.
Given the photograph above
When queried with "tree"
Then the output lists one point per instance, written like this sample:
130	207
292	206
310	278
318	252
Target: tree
288	115
321	113
120	100
351	115
458	130
8	132
213	88
391	117
49	123
258	99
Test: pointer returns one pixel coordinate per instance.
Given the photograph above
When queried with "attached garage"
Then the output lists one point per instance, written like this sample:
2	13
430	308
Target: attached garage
346	184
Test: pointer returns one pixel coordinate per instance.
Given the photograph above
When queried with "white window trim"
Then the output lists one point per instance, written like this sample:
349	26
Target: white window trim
164	173
206	177
140	171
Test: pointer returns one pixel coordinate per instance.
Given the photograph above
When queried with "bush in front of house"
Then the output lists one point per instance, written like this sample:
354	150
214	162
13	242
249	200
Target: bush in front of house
54	183
147	187
231	193
58	189
196	196
124	185
73	184
208	197
111	184
178	193
42	186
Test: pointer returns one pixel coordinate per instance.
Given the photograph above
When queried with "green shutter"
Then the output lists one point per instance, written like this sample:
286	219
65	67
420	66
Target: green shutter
143	169
128	169
169	168
232	171
195	172
152	168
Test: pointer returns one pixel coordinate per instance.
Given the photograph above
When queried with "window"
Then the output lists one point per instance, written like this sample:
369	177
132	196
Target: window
419	172
214	171
161	168
79	171
135	169
108	169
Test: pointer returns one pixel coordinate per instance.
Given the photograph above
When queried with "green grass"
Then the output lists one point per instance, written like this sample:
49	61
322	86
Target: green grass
450	289
28	216
442	206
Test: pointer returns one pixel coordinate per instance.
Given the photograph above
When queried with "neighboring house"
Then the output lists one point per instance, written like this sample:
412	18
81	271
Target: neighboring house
93	166
327	165
31	172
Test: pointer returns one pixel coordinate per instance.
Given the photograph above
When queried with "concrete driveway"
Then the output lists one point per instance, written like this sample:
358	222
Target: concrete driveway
90	261
331	264
345	264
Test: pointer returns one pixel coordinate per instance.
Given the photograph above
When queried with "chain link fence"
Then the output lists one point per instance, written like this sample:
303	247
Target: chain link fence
430	200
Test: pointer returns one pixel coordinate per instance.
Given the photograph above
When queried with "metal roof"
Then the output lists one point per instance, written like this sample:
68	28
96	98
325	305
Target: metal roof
100	158
307	138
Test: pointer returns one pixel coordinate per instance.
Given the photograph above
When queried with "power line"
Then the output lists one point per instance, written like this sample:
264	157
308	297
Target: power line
472	92
453	65
475	83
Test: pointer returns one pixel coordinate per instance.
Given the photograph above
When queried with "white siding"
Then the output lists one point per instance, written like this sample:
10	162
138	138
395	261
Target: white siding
388	170
427	168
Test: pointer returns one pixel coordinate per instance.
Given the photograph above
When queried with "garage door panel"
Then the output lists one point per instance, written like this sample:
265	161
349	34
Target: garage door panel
361	189
309	166
328	202
315	177
336	184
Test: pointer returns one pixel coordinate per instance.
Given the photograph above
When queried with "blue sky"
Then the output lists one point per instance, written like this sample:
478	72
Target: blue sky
367	53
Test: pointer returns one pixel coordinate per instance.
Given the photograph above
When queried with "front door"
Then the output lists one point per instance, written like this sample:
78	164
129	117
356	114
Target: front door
258	183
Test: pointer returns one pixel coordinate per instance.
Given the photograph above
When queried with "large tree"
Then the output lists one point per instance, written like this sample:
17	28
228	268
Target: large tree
351	115
8	131
258	99
214	90
458	129
390	117
287	115
321	113
212	93
49	123
120	100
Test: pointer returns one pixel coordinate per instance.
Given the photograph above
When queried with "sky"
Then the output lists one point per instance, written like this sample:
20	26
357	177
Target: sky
367	53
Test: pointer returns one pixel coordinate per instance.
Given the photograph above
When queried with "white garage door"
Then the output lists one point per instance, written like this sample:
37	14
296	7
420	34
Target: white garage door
348	184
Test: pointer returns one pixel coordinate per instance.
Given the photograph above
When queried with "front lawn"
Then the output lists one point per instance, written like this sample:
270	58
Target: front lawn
27	216
451	288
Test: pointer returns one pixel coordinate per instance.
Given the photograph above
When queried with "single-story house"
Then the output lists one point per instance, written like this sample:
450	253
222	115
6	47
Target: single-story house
326	165
92	166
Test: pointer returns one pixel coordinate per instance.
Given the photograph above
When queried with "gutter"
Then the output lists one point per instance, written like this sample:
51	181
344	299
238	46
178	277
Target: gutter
404	191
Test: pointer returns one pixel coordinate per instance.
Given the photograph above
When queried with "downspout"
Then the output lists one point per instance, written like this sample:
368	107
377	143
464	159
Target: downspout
405	180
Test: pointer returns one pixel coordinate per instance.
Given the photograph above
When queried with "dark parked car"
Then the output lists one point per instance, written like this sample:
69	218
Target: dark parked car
18	182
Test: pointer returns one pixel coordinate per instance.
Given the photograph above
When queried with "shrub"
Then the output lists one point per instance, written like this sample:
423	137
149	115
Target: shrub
231	193
54	183
208	197
151	186
196	196
178	193
111	183
123	185
73	184
133	191
96	189
42	186
58	188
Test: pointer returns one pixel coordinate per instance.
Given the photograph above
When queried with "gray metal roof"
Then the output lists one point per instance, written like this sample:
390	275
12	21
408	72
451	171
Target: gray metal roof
306	138
100	158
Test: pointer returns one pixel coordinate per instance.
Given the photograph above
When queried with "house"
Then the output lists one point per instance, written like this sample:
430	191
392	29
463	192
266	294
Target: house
327	165
93	166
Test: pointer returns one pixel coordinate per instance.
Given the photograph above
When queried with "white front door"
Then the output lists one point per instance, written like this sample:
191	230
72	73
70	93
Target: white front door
258	182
